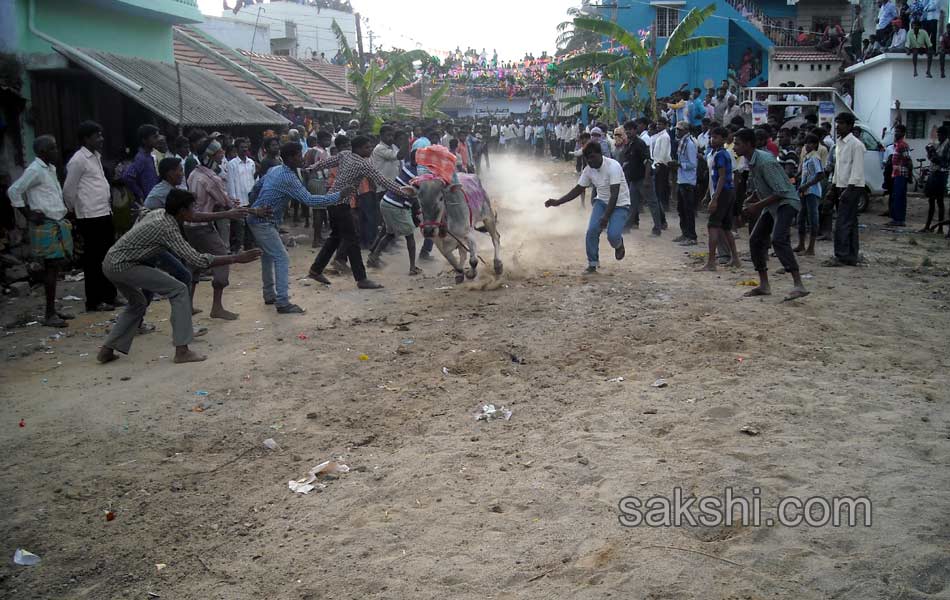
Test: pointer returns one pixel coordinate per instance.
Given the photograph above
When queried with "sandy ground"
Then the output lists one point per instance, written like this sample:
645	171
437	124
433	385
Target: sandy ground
847	389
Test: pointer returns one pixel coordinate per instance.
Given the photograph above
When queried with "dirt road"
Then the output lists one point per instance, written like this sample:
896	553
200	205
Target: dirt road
846	390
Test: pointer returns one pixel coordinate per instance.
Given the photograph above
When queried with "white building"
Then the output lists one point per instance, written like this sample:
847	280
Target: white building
882	81
804	66
237	33
297	30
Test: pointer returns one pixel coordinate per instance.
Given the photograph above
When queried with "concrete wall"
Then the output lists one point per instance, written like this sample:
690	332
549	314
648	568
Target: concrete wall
824	11
238	34
807	73
882	80
314	29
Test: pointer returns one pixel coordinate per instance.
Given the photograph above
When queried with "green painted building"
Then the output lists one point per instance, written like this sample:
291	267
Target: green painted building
141	28
111	61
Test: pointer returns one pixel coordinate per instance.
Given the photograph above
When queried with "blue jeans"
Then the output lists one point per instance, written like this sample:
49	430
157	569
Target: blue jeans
614	229
899	194
275	263
808	217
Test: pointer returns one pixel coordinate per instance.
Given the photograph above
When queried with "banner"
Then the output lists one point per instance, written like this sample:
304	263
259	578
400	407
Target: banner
826	112
760	113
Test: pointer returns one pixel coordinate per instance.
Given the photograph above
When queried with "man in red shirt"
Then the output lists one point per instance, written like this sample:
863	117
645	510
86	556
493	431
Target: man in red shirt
900	173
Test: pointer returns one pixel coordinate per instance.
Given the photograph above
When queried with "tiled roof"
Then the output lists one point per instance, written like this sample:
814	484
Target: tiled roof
222	54
156	88
324	91
187	55
805	54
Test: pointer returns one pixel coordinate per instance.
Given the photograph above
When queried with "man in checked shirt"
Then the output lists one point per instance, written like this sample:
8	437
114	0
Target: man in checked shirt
352	166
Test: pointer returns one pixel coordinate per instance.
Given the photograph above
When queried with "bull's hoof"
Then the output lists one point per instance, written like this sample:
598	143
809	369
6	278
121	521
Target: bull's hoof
499	268
459	277
471	273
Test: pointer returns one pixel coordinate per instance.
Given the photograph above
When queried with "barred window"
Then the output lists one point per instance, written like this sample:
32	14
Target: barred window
916	124
667	19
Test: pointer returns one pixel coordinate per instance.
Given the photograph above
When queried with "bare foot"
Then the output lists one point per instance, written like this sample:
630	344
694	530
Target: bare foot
106	355
189	356
796	293
223	314
736	264
707	267
759	291
798	249
810	252
415	271
196	311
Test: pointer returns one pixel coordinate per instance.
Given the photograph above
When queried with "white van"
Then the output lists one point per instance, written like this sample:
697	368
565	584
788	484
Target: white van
816	97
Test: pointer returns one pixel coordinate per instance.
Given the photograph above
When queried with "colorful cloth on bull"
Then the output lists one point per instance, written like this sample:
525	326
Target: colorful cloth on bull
438	160
51	239
475	195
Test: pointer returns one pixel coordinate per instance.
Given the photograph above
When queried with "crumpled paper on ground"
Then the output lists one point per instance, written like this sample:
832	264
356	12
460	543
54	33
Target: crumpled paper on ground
305	485
489	412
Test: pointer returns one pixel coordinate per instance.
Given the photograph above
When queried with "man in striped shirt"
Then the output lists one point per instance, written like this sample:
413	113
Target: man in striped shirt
352	166
127	266
399	219
275	191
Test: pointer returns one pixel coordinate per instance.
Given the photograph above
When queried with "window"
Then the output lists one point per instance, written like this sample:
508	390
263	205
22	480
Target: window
870	143
667	18
916	124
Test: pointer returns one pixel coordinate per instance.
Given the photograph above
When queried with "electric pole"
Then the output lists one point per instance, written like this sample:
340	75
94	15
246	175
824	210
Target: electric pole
359	42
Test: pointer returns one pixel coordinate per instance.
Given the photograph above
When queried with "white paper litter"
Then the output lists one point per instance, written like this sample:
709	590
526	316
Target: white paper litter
77	277
445	371
660	383
305	485
71	298
270	444
488	412
25	558
616	380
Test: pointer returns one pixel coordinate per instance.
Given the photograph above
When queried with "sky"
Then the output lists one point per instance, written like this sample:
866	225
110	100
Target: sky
513	27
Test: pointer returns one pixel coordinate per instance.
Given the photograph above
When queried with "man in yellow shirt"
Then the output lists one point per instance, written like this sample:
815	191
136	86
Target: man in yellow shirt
918	42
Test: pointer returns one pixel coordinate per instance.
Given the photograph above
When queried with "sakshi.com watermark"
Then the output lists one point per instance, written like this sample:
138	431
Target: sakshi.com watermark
687	510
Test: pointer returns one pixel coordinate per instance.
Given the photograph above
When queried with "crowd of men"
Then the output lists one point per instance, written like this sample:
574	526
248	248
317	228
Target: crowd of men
206	200
905	26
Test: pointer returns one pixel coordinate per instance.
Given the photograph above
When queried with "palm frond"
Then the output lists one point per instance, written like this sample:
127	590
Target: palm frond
343	44
572	101
690	23
591	59
614	32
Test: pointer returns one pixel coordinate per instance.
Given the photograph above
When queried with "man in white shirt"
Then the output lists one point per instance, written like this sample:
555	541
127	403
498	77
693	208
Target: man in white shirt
241	175
661	154
609	208
849	183
86	192
40	199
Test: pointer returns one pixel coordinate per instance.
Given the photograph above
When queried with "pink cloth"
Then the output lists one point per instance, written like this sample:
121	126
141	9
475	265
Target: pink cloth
475	195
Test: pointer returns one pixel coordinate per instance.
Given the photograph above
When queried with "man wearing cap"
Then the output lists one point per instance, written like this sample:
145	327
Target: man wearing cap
609	208
686	160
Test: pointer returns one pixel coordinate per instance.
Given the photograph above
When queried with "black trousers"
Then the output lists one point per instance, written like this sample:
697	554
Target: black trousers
662	186
774	232
846	226
343	235
686	206
98	235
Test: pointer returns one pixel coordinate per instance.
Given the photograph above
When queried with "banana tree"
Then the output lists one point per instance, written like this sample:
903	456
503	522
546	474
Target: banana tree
640	63
430	108
374	81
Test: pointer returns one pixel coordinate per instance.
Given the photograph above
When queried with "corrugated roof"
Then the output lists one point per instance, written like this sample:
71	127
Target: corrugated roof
810	54
205	98
560	93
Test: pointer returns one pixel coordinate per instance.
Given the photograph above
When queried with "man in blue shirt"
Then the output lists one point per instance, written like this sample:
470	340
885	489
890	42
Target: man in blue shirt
697	110
810	190
886	14
275	191
686	160
722	198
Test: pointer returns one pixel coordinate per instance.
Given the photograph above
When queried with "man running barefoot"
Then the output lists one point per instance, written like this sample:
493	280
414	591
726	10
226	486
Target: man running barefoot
610	206
723	197
127	266
773	206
